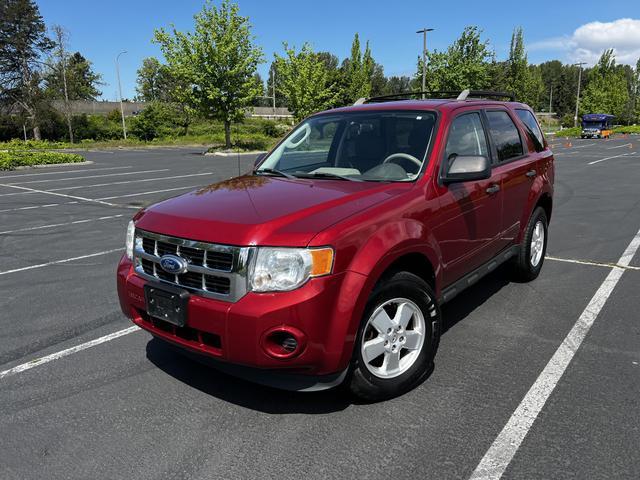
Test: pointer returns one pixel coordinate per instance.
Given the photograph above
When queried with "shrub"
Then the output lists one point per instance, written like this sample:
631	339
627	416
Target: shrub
569	132
156	120
628	129
12	158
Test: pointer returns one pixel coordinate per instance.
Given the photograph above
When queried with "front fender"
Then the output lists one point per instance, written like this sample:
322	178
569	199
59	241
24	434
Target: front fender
387	244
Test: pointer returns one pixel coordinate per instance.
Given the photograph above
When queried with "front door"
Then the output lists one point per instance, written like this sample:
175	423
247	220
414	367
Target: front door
469	221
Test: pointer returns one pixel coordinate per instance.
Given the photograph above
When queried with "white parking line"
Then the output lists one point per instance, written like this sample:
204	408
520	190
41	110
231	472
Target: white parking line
619	146
53	225
124	182
69	351
148	193
609	158
504	447
89	176
590	263
584	146
36	206
57	262
132	181
2	177
84	199
190	187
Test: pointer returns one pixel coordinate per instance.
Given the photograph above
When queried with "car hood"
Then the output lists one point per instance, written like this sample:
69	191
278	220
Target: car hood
262	210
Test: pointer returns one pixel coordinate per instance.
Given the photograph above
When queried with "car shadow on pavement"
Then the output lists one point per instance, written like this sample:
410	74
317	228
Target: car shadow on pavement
241	392
257	397
470	299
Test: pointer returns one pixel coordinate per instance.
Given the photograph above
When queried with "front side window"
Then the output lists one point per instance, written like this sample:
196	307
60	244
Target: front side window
505	135
466	137
366	146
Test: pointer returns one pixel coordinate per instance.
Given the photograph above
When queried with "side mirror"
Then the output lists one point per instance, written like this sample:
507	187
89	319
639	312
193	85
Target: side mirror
259	159
466	168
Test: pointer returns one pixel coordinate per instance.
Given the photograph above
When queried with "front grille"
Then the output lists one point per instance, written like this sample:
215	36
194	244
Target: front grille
213	270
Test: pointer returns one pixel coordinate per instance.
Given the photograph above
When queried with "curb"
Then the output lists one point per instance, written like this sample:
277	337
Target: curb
232	154
49	165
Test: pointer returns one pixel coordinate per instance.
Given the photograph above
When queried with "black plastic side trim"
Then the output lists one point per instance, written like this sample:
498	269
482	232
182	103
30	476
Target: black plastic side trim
469	279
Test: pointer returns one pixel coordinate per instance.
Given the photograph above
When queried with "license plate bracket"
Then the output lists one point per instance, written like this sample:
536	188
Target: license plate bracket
167	303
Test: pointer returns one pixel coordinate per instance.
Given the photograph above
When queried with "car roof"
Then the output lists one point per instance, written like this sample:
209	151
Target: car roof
427	104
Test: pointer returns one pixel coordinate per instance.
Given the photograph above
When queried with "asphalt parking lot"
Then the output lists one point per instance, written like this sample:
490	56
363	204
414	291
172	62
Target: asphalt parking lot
129	407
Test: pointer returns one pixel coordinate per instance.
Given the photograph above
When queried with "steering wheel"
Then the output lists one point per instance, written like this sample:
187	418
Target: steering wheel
406	156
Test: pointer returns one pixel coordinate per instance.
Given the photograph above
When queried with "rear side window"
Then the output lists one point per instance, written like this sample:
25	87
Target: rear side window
505	135
466	137
529	120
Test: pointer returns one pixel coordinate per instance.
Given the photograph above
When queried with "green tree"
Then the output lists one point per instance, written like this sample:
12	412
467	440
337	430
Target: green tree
398	84
23	41
82	82
357	72
607	89
518	73
215	64
158	83
463	65
305	81
153	81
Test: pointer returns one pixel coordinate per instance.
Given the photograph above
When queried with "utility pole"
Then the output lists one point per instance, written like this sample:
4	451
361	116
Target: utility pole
424	57
550	105
124	126
575	117
273	86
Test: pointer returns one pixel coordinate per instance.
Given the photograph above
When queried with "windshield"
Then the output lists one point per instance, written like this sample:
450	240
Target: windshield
367	146
592	124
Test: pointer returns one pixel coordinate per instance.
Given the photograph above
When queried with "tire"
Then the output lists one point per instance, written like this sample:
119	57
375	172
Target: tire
528	263
374	378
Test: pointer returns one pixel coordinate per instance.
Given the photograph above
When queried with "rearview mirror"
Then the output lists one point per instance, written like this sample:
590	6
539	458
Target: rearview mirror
466	168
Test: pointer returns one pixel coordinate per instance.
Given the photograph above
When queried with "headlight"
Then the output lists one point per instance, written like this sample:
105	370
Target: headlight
283	269
131	231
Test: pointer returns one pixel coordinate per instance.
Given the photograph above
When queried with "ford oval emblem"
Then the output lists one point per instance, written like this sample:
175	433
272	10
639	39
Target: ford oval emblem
172	264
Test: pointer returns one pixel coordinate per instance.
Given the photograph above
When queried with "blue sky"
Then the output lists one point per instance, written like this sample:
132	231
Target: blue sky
560	29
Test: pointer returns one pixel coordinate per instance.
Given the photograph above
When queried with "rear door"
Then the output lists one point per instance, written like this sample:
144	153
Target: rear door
515	167
469	222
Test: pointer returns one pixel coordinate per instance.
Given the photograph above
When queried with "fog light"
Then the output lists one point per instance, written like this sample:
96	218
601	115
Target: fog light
289	344
283	342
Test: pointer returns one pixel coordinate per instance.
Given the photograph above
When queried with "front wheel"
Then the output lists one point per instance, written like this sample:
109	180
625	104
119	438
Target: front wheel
528	262
397	339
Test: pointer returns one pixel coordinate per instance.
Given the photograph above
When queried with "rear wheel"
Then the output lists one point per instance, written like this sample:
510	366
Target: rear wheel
397	339
528	262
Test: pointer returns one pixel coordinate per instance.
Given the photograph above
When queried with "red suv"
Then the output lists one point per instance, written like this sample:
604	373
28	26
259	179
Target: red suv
328	263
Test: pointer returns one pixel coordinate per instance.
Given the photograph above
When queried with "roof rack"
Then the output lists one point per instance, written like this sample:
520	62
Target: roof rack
458	95
485	94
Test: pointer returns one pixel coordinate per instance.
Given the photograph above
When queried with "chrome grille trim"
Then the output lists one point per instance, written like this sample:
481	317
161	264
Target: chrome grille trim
229	267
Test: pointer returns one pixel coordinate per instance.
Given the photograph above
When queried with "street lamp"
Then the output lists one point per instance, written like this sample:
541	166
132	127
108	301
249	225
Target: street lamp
424	57
124	126
575	117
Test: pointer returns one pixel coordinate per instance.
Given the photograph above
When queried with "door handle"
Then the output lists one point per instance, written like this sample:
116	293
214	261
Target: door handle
531	173
493	189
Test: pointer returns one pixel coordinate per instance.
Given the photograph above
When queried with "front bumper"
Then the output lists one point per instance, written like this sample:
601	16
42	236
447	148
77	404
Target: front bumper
322	311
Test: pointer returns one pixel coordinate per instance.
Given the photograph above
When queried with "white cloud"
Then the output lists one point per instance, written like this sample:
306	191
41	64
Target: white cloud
588	41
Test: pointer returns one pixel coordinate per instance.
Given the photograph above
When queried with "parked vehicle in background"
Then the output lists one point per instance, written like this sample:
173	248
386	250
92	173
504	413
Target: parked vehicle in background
329	262
597	125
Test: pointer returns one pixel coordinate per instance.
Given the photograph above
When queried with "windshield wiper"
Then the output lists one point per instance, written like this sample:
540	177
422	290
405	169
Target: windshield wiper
326	175
273	171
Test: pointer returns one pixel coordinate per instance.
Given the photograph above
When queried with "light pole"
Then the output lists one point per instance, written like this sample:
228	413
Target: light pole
575	117
424	57
124	126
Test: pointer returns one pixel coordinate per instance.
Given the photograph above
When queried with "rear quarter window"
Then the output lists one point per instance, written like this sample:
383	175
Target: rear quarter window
505	135
529	120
